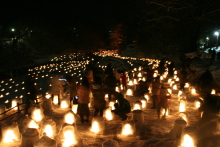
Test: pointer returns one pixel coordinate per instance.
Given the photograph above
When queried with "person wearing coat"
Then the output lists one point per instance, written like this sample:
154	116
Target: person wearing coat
110	84
182	78
98	92
71	88
83	92
122	107
163	101
124	81
156	85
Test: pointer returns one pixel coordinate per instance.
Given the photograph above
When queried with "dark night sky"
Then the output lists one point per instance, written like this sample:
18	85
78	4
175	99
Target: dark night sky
87	11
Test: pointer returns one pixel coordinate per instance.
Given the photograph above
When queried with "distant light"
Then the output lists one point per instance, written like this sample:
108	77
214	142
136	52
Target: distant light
12	30
207	38
216	33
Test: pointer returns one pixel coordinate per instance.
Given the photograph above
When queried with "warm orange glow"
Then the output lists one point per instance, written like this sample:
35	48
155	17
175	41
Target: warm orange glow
129	92
169	81
146	96
55	99
144	103
182	106
193	91
64	104
10	136
130	83
13	104
108	114
155	75
111	105
69	118
49	131
197	104
139	75
69	138
95	127
33	124
186	85
37	115
169	90
135	81
175	87
213	91
116	89
74	108
137	107
127	130
187	141
180	93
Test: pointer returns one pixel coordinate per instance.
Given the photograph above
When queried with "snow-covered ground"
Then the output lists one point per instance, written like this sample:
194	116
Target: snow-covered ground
153	132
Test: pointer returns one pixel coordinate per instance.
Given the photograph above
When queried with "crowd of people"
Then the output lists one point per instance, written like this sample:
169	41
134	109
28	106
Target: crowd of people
97	83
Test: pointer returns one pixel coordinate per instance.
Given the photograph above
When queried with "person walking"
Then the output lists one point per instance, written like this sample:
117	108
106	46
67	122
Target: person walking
156	85
124	81
71	88
98	92
83	92
182	78
206	81
31	93
110	84
163	102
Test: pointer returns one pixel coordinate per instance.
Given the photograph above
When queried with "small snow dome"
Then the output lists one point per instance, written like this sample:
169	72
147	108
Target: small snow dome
110	143
45	141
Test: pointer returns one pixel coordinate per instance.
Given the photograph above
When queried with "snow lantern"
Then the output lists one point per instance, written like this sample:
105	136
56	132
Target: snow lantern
155	74
169	80
184	116
33	124
37	114
182	105
188	137
29	137
56	99
186	85
197	103
146	96
139	75
179	125
74	108
69	117
138	116
111	104
130	83
135	81
98	125
129	92
15	102
117	89
143	102
68	135
175	89
180	92
64	103
2	109
45	141
128	127
10	132
193	91
213	92
110	143
108	114
49	128
137	105
48	96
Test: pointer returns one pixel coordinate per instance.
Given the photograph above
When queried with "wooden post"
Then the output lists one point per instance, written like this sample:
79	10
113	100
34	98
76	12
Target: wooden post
18	107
